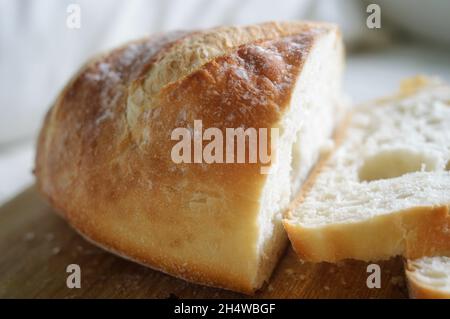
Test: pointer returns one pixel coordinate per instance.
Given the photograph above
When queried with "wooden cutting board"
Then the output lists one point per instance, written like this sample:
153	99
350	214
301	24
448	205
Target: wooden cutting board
36	246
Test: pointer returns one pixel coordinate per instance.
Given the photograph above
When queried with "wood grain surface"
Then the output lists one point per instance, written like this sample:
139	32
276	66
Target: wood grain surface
36	246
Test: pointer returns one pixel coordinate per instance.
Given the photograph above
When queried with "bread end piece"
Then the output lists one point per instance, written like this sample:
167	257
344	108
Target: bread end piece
428	277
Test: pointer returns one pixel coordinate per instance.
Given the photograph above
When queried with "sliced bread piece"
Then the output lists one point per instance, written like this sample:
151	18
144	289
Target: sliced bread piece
385	191
429	277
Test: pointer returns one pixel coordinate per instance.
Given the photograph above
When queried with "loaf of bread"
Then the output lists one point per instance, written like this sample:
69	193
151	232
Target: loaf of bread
385	191
104	152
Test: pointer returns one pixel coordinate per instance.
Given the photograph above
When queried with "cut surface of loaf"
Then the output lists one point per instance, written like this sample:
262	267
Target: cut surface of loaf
429	277
104	152
385	189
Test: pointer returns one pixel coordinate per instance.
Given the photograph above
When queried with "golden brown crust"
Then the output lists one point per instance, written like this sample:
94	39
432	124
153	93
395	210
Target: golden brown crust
103	157
418	289
413	233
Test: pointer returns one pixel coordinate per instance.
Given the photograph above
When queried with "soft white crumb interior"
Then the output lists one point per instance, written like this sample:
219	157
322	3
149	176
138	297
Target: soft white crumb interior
395	156
433	271
305	130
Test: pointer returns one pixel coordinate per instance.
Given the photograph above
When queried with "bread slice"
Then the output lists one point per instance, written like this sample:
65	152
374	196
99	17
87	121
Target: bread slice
385	191
429	277
104	152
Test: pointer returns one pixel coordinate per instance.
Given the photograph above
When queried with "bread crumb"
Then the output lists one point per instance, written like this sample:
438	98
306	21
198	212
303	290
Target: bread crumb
302	277
49	236
29	236
56	250
270	288
326	288
398	281
289	271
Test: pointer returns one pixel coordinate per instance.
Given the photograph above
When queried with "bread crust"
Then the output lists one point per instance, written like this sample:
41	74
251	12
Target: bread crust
103	158
412	233
418	289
